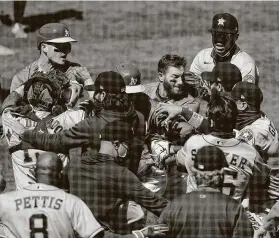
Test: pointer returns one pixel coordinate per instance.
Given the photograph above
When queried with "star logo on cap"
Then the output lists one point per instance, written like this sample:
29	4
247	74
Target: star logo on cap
67	33
221	21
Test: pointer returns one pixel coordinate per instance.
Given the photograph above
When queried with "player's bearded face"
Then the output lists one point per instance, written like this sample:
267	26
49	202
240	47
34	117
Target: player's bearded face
223	42
57	52
173	82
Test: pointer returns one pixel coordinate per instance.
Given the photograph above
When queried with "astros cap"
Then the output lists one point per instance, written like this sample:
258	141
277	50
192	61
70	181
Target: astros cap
55	33
131	76
224	22
110	82
248	92
225	73
117	130
210	158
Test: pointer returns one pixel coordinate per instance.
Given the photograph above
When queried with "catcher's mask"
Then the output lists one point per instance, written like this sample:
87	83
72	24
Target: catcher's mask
43	93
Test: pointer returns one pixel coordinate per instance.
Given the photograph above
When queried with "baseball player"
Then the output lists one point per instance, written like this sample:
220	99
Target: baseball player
245	164
206	212
224	33
44	210
54	44
172	90
112	192
41	209
252	124
43	95
134	88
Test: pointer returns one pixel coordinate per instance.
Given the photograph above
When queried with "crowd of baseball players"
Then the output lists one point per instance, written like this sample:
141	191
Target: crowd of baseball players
190	154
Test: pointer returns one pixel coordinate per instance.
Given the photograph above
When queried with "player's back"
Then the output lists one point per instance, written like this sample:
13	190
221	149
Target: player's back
240	156
38	210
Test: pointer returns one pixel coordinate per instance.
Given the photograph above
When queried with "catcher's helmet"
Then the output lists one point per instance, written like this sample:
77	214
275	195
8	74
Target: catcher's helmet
55	33
45	91
131	76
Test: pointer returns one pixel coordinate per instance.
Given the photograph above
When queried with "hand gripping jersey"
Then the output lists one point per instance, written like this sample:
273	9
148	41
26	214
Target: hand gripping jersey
41	210
246	64
24	157
244	162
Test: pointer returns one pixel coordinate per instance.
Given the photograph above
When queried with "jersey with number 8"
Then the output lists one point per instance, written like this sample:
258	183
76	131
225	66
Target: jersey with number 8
41	210
24	161
243	160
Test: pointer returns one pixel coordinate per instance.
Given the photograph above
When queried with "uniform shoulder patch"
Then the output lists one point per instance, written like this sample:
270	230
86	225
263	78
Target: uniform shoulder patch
246	135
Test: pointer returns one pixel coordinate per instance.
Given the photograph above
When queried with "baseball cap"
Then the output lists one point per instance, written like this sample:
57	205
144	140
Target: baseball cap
109	81
55	33
248	92
131	76
117	130
210	158
224	22
226	73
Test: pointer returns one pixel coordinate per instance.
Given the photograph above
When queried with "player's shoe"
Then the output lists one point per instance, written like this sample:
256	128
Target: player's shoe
18	31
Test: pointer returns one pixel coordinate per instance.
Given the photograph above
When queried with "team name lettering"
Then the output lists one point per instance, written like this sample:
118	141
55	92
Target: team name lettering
237	160
38	202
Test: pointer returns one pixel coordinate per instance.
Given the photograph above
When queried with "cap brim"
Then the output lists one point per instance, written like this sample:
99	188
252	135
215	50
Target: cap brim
223	30
207	76
62	40
90	87
135	89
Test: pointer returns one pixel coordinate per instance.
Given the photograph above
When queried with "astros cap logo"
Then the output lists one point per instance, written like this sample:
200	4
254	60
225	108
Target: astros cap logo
221	21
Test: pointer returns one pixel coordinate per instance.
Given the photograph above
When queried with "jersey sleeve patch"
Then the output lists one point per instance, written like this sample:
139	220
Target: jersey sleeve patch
246	135
249	78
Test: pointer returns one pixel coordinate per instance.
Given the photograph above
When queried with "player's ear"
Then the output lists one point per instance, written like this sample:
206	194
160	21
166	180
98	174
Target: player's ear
236	37
44	47
103	94
161	77
241	105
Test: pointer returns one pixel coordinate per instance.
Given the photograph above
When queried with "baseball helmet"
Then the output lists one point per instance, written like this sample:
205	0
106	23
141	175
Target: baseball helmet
55	33
131	76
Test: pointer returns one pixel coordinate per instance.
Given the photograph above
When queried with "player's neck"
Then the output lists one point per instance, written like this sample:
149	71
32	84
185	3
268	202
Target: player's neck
46	180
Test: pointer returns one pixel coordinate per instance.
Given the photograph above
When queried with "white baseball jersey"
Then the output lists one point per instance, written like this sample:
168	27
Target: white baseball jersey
243	160
41	210
262	135
204	62
24	161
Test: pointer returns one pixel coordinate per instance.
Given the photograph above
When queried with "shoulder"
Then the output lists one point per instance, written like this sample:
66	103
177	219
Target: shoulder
206	51
72	64
25	73
150	89
242	57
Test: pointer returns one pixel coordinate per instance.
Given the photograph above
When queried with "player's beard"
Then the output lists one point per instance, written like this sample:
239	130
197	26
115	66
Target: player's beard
246	118
171	94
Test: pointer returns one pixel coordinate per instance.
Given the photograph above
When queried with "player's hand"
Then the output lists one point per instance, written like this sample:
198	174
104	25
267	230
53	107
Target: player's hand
152	231
86	105
172	111
15	125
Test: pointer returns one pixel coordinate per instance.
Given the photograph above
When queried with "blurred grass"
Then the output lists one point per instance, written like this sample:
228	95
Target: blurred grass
142	32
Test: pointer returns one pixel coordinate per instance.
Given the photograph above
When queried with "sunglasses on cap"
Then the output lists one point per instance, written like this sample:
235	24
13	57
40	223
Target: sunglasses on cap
60	47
